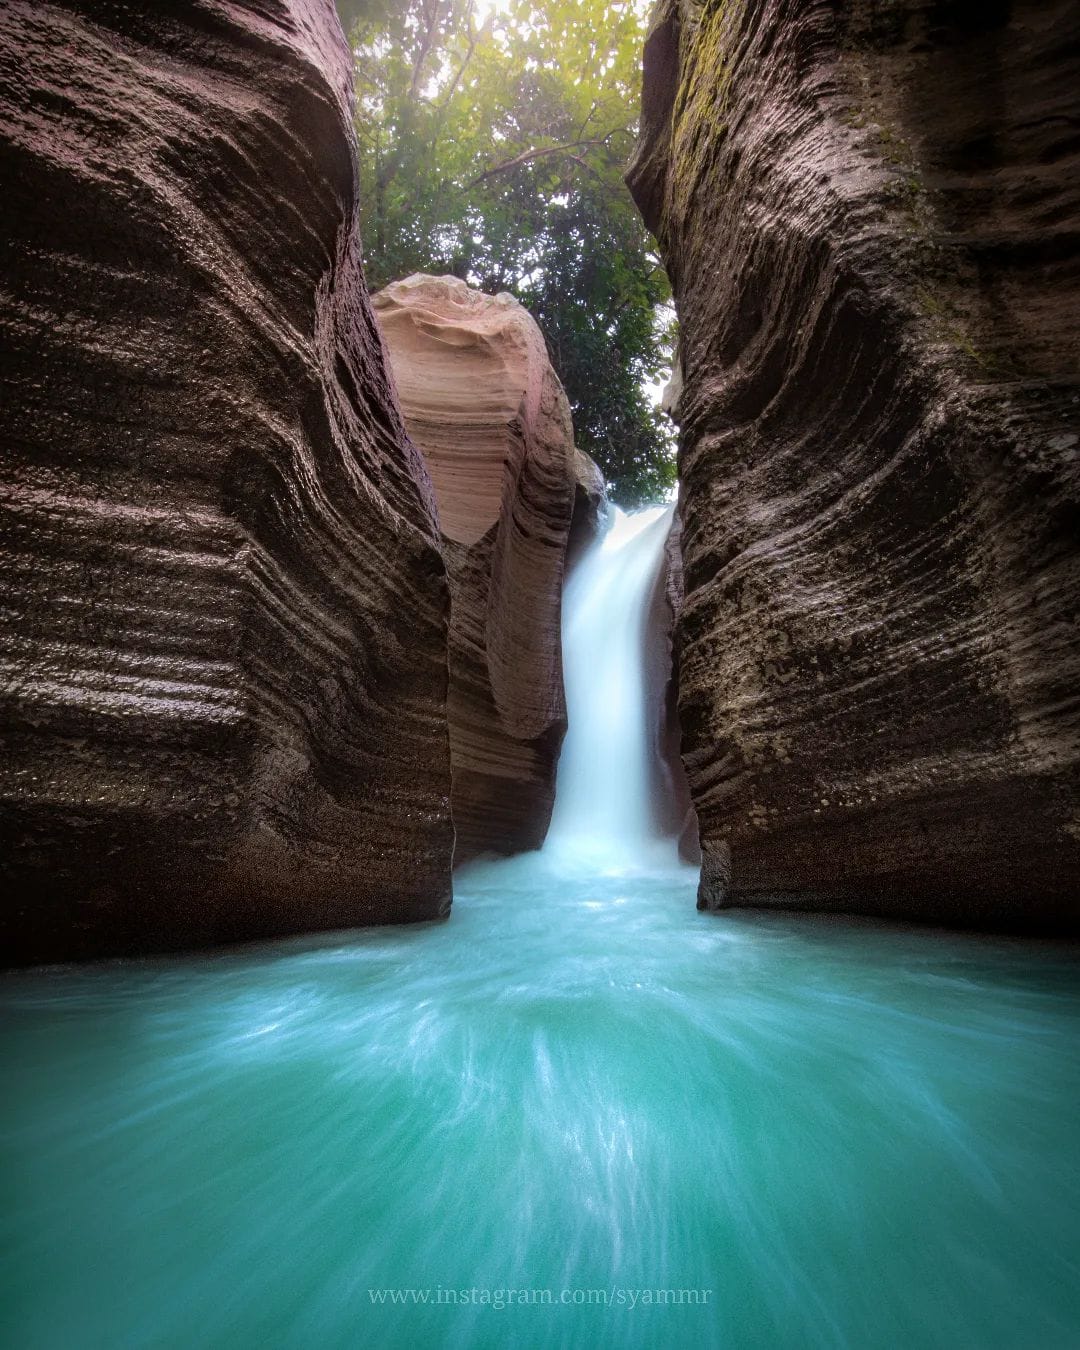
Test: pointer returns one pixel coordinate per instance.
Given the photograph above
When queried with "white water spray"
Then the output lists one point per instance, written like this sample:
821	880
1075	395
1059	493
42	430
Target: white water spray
604	818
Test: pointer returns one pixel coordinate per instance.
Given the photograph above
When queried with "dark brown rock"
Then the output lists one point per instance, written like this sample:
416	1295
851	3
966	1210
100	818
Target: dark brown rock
486	409
871	216
223	697
673	809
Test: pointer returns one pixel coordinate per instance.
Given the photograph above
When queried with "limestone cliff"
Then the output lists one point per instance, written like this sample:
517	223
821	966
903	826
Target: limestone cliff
486	409
871	217
224	622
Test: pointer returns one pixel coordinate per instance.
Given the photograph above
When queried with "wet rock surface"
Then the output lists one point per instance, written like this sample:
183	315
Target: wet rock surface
671	789
224	626
487	411
871	216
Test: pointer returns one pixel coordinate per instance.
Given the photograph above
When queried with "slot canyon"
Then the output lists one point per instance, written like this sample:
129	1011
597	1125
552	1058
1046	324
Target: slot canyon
493	852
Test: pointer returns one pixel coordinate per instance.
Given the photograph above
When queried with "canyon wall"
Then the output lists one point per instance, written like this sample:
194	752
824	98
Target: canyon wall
670	789
871	217
225	610
485	407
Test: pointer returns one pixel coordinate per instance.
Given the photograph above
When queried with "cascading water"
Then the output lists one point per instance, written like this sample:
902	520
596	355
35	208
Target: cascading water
604	820
580	1114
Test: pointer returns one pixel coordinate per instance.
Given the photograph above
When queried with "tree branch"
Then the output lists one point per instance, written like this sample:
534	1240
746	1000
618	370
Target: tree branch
434	18
538	152
474	38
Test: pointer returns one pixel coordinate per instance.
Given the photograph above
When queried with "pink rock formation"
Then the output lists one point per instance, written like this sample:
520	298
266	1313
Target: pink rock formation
485	408
224	629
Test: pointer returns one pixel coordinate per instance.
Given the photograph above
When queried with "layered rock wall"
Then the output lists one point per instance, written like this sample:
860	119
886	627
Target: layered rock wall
225	610
484	405
674	810
871	217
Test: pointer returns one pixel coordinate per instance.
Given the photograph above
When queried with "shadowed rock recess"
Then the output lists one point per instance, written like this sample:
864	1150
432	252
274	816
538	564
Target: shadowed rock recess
671	792
224	625
871	217
485	407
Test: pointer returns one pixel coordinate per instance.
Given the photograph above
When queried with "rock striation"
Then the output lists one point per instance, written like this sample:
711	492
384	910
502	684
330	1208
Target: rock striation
871	217
225	609
673	807
487	411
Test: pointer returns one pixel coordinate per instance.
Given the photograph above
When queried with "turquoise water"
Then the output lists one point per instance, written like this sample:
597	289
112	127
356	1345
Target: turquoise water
845	1134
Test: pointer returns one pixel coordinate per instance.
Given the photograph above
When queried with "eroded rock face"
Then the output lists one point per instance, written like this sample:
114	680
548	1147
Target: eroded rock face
871	216
486	409
671	791
224	630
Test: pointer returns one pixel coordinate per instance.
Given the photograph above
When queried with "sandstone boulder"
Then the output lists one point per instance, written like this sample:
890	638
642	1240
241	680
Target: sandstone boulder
488	413
224	647
871	217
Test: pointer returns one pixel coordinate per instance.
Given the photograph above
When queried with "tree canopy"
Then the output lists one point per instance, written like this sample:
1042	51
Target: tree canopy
493	140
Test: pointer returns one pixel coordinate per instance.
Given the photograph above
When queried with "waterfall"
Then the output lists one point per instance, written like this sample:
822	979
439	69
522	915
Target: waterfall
604	818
